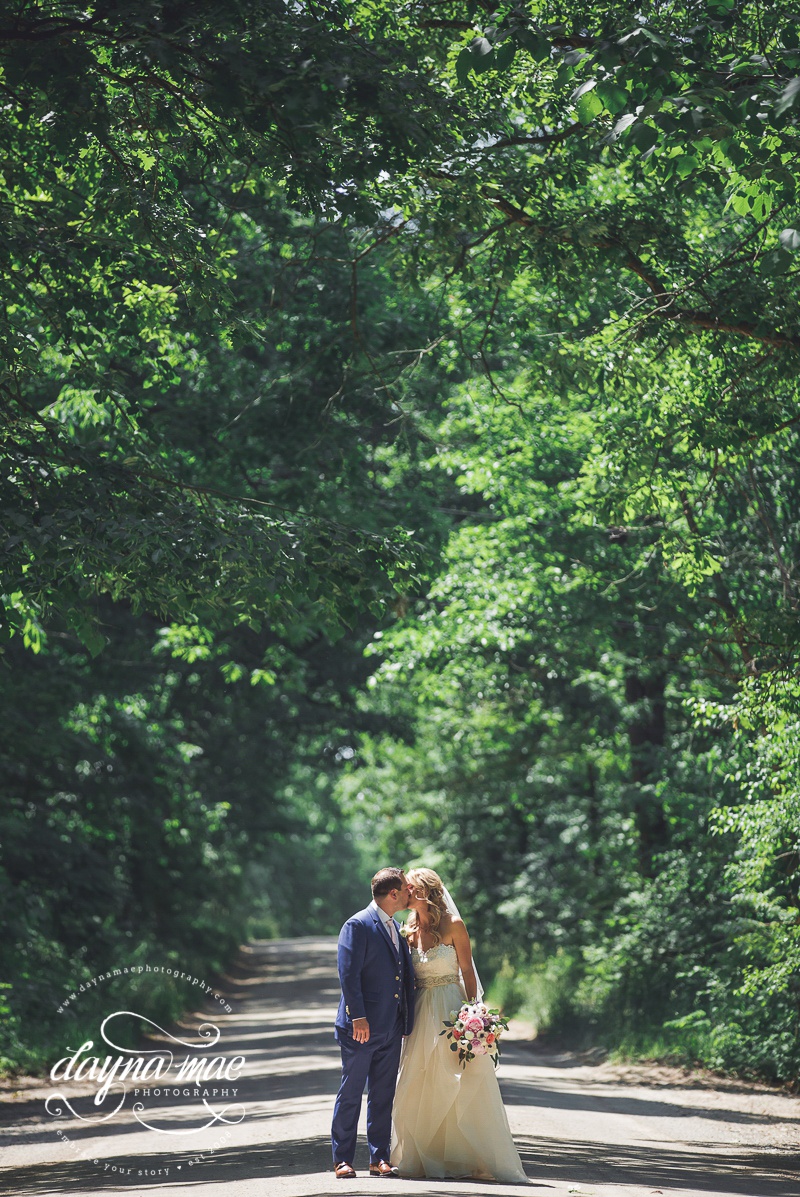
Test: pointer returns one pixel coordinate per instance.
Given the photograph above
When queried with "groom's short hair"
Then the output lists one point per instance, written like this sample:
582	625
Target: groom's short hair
385	880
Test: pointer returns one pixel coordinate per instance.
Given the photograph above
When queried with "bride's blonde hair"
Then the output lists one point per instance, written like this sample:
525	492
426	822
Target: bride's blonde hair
431	889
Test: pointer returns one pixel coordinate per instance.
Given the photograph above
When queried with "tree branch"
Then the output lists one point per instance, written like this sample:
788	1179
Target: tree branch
44	30
538	138
723	598
690	318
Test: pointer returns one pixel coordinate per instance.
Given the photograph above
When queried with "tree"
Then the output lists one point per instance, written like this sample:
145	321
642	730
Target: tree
137	137
474	328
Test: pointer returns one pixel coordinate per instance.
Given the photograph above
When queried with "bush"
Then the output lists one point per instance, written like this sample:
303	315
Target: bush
541	992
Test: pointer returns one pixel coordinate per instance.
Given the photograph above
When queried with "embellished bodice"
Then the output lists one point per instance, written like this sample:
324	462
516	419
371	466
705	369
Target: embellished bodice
436	966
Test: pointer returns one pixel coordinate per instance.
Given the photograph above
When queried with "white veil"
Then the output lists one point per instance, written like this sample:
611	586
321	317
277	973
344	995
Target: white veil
453	910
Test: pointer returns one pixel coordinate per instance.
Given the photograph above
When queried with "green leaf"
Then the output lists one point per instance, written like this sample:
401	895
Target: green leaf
788	97
622	124
790	239
644	137
504	55
775	262
614	97
730	151
685	164
742	203
483	54
588	107
762	204
539	48
480	47
464	64
583	89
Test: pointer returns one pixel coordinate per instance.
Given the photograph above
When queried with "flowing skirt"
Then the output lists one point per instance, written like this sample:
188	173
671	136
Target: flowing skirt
448	1120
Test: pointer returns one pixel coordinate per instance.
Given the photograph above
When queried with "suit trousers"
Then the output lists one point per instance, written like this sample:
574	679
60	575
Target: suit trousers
375	1065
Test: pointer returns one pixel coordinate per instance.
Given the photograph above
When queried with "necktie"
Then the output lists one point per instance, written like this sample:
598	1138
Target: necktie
393	932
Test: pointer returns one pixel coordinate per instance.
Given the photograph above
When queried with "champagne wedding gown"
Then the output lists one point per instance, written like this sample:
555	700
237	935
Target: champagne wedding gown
447	1120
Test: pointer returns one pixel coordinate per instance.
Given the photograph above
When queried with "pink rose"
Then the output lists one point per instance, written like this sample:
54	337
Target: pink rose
490	1038
475	1024
478	1048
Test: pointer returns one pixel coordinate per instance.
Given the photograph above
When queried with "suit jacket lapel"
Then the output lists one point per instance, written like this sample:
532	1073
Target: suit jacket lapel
384	933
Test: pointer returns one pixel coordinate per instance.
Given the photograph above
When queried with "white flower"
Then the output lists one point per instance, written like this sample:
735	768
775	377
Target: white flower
469	1034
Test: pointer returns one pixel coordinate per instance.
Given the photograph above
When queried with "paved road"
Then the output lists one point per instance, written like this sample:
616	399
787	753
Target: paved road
584	1130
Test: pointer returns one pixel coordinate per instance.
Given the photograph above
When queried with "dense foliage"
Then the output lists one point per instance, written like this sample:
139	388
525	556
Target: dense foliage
466	334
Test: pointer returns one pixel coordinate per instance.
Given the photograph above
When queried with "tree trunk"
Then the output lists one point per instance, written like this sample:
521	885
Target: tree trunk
646	733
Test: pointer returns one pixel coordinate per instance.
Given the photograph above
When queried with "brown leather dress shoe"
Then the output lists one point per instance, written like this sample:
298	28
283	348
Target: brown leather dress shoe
344	1171
382	1168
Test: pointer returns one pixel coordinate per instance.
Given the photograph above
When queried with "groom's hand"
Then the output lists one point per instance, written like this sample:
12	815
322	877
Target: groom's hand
360	1030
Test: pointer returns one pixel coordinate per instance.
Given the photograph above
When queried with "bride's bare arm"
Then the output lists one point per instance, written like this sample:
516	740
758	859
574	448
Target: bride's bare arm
464	953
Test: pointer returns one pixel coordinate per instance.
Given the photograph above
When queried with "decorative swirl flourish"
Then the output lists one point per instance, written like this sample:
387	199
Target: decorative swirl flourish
206	1030
57	1112
217	1117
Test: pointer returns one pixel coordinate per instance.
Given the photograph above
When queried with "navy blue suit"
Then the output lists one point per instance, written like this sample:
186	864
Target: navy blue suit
377	984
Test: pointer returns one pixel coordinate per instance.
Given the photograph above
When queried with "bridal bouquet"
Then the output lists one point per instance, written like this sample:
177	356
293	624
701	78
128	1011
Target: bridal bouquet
475	1031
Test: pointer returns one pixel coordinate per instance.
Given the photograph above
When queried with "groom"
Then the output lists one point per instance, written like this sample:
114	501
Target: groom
375	1012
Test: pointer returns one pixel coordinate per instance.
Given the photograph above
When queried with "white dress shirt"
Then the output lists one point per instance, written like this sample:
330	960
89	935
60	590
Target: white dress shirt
388	922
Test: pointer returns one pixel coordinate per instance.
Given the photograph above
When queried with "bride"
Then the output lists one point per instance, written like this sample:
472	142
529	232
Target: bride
448	1120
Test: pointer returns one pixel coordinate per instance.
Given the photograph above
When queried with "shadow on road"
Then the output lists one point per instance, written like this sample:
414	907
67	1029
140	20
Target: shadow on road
283	996
537	1092
655	1166
547	1162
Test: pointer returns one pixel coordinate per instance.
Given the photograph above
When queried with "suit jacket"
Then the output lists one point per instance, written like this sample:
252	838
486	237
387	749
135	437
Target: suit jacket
377	979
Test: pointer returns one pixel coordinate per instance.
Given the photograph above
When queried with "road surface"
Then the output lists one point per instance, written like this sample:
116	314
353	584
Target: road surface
582	1129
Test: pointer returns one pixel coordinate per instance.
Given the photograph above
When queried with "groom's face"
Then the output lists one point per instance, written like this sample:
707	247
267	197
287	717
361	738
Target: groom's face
402	895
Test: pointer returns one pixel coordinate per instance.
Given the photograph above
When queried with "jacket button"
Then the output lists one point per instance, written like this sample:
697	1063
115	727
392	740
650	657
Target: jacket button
397	978
397	995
